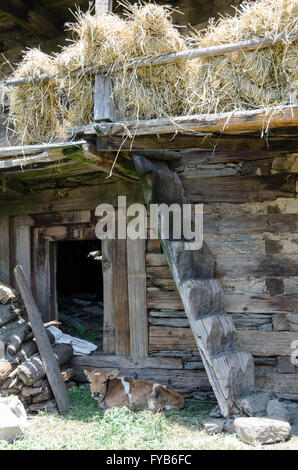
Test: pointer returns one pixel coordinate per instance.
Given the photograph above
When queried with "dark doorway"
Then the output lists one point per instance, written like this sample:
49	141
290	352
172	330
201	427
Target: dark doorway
80	289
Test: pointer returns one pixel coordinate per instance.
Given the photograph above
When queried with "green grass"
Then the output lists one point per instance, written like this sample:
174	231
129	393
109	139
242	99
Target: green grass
85	426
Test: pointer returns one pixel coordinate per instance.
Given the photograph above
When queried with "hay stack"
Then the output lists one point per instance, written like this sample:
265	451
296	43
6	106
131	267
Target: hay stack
244	80
247	79
35	108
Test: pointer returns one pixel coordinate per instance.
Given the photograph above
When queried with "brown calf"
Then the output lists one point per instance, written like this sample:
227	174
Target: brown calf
112	392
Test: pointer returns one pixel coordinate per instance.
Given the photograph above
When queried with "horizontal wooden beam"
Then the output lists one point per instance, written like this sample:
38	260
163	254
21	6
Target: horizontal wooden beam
44	157
72	198
25	150
250	144
165	59
227	123
259	343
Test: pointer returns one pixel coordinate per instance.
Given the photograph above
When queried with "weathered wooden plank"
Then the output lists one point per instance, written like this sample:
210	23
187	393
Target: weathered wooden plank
259	343
267	343
98	361
240	265
169	338
108	295
39	148
136	272
75	198
234	303
164	300
57	218
41	274
261	303
278	383
49	361
103	105
4	250
257	223
238	188
183	381
228	122
21	245
121	302
236	146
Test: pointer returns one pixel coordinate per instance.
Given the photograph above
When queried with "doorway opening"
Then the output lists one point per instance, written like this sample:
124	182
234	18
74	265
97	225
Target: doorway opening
80	289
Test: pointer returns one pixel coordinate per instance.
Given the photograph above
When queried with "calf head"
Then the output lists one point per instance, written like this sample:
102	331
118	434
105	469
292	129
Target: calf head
99	381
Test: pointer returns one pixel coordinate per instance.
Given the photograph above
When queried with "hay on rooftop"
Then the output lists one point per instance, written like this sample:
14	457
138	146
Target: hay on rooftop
244	80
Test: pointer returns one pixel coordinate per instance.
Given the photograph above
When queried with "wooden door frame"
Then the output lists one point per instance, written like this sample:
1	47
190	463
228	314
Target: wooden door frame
125	329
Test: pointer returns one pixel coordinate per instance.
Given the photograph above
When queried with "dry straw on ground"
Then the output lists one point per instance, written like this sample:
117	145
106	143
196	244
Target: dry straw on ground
42	112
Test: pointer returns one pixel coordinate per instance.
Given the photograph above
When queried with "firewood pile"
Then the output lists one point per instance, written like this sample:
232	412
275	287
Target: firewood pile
21	369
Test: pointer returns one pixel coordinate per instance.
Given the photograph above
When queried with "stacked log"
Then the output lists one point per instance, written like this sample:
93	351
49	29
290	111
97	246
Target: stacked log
21	369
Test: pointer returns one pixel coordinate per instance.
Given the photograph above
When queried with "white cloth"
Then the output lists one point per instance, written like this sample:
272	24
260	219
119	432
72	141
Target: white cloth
81	347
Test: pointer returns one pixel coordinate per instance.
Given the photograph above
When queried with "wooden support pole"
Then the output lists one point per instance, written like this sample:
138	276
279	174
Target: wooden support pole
49	361
4	250
137	290
103	106
165	59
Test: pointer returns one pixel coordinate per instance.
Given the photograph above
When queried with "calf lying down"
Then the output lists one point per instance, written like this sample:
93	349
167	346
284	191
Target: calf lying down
111	392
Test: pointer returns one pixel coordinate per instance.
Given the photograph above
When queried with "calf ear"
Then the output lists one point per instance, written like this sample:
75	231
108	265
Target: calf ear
113	374
86	372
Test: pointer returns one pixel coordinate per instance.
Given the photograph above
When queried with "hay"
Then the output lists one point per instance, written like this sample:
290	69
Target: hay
247	79
244	80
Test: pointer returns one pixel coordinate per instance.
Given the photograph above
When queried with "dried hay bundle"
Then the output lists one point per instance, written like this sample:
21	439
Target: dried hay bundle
155	92
34	108
248	79
42	112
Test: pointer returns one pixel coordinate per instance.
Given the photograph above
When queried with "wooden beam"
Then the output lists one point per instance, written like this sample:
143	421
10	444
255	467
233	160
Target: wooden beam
49	361
30	160
21	244
103	105
73	198
165	59
11	186
236	122
234	147
136	271
25	150
4	250
108	294
120	293
101	361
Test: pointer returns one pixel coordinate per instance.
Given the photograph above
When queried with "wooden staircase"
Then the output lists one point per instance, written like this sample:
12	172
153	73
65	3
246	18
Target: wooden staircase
230	371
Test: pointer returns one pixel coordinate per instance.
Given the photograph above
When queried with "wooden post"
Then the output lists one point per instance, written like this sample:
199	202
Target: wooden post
21	244
120	293
4	250
137	289
108	295
103	106
46	352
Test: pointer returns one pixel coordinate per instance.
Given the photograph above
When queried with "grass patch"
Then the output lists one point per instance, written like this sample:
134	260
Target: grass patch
87	427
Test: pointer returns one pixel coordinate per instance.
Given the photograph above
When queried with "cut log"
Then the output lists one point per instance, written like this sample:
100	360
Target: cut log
6	367
49	361
7	314
7	331
44	386
33	369
29	348
48	405
17	340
